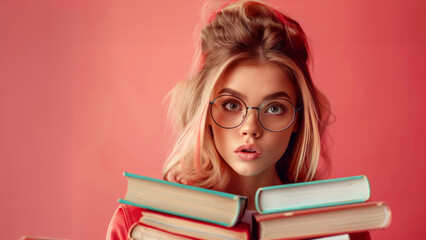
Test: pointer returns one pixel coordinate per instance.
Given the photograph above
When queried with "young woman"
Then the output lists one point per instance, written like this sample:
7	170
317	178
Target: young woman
250	116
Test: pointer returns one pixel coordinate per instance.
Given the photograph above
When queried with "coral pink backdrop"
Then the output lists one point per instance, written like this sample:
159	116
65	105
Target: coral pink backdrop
81	98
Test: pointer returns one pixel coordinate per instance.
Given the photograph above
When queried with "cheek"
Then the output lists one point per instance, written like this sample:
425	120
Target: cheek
218	136
277	144
222	139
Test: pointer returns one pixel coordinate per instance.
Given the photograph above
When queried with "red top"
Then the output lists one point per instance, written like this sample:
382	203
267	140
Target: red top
126	215
123	219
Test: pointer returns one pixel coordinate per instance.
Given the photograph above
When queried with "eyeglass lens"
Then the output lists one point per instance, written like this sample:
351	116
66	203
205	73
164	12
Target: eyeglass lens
274	114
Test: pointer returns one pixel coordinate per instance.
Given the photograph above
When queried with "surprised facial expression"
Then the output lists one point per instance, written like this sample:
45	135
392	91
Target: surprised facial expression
250	149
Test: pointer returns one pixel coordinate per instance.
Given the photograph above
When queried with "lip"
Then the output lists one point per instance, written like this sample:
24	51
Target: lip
255	153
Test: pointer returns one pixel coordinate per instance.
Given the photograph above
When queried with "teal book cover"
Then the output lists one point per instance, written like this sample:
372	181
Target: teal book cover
184	200
314	194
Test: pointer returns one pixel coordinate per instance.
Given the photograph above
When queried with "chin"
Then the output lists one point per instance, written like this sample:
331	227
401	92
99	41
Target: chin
247	172
251	168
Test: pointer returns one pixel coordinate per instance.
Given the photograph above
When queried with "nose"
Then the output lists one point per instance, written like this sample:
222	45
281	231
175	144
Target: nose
251	125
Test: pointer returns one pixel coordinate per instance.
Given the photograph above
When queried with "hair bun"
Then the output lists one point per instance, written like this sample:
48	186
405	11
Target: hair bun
249	26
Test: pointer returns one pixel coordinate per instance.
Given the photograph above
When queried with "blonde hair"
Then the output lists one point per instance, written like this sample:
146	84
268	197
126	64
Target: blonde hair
245	31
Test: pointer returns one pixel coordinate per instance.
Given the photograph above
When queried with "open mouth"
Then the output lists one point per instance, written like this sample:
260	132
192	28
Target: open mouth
248	152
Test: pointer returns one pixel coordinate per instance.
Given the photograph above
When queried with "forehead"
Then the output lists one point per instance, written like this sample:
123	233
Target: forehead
256	81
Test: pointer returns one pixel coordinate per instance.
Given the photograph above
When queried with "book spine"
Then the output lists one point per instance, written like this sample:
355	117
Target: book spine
254	228
179	214
257	200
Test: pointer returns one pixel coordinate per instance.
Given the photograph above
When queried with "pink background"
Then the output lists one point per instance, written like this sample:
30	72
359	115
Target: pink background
82	85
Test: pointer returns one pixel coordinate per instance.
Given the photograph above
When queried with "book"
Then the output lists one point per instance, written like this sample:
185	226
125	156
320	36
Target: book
140	231
324	221
197	203
190	228
334	237
321	193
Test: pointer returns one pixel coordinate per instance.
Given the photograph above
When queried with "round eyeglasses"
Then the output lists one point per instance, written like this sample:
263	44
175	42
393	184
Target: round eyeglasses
274	115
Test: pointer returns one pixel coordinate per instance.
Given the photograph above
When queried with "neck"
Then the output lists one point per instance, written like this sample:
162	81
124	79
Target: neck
248	185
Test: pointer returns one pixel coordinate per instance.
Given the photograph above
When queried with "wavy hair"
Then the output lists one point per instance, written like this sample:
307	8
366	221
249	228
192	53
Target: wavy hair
244	31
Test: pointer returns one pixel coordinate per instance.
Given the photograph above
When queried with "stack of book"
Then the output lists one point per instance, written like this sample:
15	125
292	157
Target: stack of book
291	211
317	208
177	211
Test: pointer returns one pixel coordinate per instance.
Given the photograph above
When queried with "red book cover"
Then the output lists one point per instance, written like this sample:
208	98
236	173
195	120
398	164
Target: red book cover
193	228
139	231
323	221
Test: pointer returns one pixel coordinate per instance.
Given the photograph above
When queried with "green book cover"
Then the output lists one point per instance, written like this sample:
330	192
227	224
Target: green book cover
189	192
318	188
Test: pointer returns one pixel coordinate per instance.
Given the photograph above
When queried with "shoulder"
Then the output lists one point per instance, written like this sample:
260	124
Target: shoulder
124	217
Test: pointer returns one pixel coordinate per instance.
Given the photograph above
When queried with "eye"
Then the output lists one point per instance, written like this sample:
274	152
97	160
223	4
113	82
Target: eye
275	108
232	106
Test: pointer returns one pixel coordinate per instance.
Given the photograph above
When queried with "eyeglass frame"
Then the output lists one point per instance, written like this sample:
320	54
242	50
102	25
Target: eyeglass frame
258	113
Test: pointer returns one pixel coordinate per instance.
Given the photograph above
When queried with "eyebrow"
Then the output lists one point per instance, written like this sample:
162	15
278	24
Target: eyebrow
242	96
